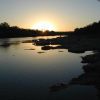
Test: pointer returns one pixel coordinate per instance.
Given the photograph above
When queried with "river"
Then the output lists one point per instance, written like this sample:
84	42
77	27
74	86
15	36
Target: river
27	72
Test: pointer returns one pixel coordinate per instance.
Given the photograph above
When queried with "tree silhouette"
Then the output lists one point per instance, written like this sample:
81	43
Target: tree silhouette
93	28
4	25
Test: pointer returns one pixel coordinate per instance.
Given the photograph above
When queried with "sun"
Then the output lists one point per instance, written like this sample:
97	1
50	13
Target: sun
43	26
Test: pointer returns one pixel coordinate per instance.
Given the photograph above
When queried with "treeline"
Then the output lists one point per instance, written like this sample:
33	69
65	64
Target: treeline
7	31
92	29
13	31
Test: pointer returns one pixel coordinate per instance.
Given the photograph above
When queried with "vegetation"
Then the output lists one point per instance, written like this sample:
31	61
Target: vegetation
7	31
91	29
13	31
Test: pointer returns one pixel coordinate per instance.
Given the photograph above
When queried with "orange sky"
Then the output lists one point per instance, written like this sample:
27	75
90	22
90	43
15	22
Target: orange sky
65	15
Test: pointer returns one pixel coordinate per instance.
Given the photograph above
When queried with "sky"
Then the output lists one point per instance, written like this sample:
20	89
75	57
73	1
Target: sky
65	15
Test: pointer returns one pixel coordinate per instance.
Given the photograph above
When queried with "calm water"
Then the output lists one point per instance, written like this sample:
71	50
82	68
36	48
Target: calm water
27	72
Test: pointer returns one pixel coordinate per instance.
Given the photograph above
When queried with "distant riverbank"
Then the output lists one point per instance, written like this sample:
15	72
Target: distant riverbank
7	31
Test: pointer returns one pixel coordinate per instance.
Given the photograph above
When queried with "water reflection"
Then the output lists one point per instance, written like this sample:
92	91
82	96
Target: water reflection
29	49
33	68
40	52
6	43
